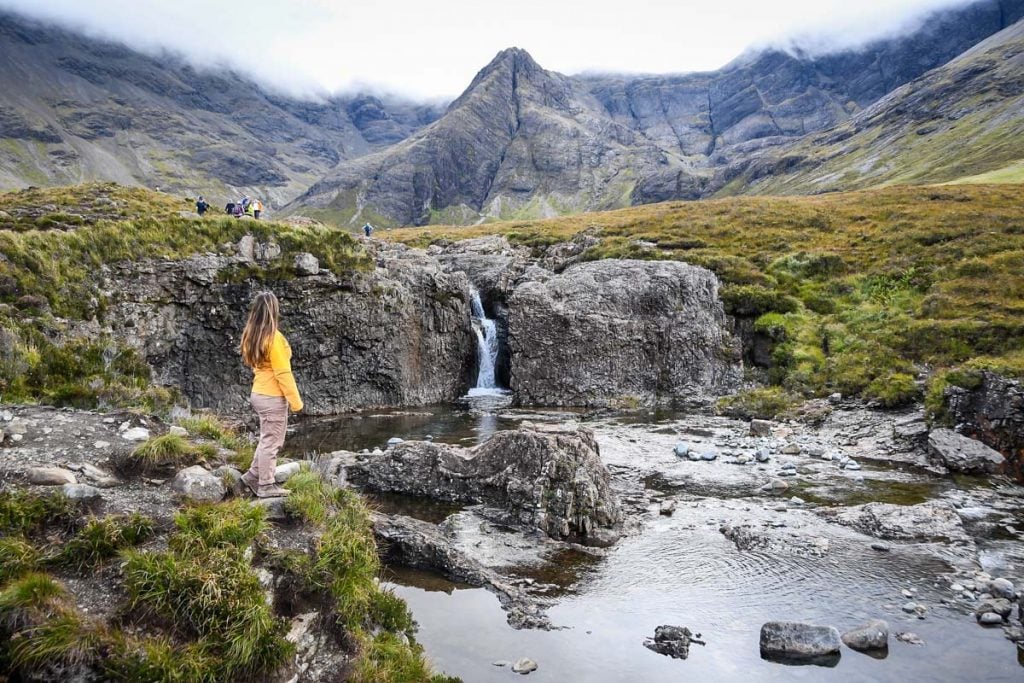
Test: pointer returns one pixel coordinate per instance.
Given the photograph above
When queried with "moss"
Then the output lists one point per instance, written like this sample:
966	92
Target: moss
763	403
754	301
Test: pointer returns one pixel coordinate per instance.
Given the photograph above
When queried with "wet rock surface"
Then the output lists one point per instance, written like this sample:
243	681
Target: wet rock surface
799	642
672	641
873	635
992	412
548	478
963	454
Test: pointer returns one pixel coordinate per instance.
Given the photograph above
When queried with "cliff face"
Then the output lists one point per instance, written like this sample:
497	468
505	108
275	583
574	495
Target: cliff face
396	336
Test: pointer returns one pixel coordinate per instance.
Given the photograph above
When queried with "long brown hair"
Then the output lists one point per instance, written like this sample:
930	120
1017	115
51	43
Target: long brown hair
259	329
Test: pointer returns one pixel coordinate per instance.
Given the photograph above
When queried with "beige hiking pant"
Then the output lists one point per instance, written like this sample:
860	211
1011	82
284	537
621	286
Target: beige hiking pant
273	412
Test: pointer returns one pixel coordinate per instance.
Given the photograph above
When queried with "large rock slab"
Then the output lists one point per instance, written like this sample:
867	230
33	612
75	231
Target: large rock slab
618	331
798	642
993	412
549	478
960	453
925	522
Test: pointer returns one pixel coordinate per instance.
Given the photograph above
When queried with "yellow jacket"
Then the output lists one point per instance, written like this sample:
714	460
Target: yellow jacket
275	378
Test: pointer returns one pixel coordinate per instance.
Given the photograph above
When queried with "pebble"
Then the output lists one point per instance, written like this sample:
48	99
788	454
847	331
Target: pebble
989	619
907	593
6	416
394	441
135	434
956	588
909	638
1002	588
852	465
667	508
791	449
763	454
502	662
909	607
100	445
742	459
524	666
81	492
682	449
709	455
175	430
881	547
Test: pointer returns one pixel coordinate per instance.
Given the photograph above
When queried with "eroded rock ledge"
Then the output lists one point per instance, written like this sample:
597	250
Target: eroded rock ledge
550	478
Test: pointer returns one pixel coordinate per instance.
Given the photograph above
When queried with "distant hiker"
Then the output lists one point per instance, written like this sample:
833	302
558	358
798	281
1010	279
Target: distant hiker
368	229
237	210
229	208
266	351
257	208
247	207
201	205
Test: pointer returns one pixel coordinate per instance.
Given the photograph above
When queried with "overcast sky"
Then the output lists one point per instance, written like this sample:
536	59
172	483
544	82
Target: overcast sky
433	49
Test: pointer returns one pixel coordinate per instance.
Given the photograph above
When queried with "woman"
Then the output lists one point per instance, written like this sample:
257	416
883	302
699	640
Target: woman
266	351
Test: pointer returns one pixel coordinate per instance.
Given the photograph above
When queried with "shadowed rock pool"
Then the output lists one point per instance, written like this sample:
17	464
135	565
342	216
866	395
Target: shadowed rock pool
682	570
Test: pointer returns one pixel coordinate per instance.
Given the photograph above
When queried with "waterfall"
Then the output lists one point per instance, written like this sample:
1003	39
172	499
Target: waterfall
486	343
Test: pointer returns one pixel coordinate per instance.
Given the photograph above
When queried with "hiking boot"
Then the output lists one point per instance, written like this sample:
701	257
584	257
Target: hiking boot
252	482
271	491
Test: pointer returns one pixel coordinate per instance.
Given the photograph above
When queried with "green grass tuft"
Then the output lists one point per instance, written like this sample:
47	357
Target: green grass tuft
166	450
101	539
765	403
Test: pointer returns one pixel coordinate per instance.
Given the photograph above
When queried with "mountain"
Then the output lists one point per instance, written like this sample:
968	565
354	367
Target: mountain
74	109
522	142
959	121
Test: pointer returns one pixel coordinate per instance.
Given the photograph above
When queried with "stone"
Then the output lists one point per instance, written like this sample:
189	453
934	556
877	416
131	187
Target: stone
198	485
1002	588
763	454
274	508
909	607
549	477
990	619
909	638
524	666
851	465
796	641
501	662
81	492
791	448
775	486
1000	606
50	476
394	441
135	434
672	641
600	330
17	437
306	264
17	427
175	430
881	547
101	445
963	454
874	635
760	427
709	455
992	412
681	449
232	479
667	508
283	473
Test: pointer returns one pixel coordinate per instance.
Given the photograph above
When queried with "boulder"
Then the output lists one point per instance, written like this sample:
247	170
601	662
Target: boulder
81	492
283	473
50	476
177	431
874	635
199	485
963	454
993	412
799	642
1002	588
760	427
232	479
651	330
135	434
546	477
306	264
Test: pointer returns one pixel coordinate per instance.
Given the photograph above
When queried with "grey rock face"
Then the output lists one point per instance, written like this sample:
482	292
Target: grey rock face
796	641
873	635
993	413
198	485
963	454
608	331
398	335
306	264
548	478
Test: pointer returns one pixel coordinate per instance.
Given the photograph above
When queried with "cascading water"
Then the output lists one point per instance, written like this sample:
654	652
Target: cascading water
487	343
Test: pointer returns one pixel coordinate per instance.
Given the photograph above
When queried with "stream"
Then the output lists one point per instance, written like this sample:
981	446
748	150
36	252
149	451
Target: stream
682	570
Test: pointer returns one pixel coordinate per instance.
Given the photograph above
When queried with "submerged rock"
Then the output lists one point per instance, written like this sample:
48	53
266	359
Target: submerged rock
546	477
524	666
799	642
930	521
672	641
963	454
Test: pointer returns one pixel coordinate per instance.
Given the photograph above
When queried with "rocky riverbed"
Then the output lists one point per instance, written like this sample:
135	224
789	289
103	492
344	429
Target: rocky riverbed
836	524
715	525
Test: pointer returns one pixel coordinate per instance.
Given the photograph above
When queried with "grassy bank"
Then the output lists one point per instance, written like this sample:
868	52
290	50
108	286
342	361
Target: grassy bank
55	243
864	293
191	603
